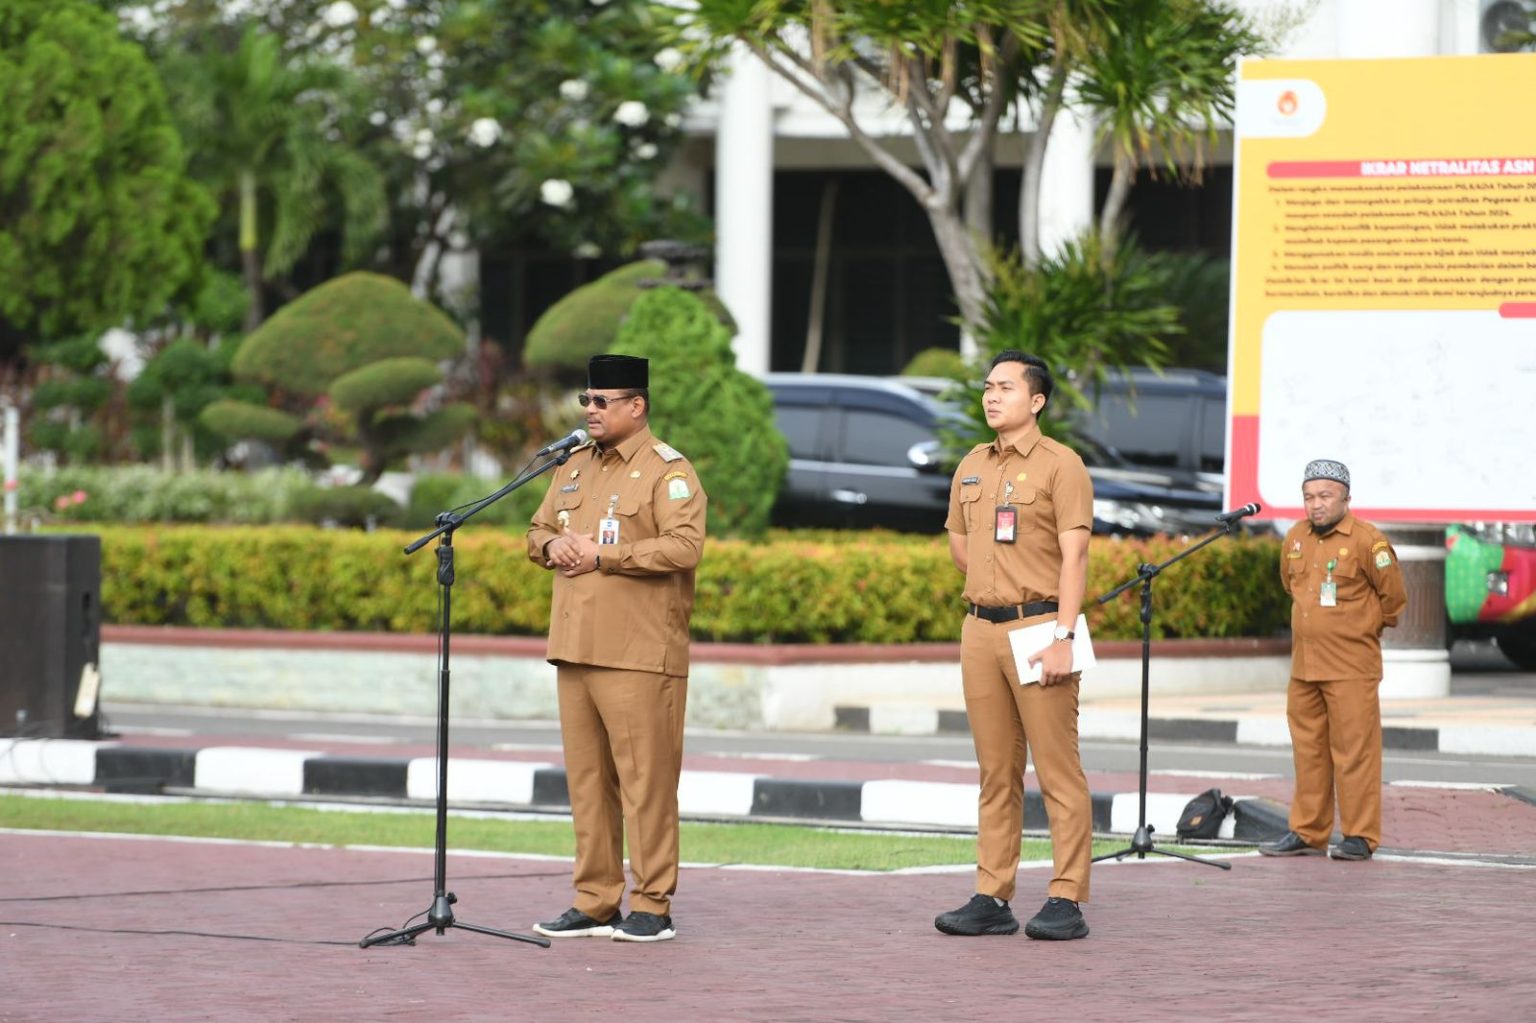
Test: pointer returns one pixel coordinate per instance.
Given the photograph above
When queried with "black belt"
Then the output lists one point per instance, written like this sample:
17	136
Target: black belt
1014	612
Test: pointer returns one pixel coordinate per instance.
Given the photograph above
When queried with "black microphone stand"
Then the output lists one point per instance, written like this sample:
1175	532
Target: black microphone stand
440	917
1141	842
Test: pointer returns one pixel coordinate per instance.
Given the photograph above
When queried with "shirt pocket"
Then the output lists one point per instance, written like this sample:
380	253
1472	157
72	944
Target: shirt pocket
970	507
635	518
1031	508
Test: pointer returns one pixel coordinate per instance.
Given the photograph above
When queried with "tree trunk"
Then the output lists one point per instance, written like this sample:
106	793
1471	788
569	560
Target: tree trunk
967	271
810	362
1114	204
1034	169
167	433
250	255
978	198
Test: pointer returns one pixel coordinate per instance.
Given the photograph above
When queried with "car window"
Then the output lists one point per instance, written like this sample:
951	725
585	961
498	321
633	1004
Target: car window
1213	430
801	427
1152	434
879	438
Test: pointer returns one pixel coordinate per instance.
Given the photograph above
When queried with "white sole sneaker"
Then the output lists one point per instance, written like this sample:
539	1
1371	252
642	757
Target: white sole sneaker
664	935
600	931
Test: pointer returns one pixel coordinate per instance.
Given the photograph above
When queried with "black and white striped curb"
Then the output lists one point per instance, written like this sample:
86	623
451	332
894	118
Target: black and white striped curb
260	772
1254	730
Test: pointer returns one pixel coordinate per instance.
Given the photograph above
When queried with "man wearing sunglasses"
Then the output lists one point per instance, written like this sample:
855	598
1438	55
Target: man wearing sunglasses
622	528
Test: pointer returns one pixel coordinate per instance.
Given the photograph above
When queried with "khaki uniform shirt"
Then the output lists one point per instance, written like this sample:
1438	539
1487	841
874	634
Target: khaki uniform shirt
1051	493
1344	641
633	612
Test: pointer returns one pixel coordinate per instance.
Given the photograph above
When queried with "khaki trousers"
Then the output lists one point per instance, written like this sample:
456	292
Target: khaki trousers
1336	744
1010	722
623	738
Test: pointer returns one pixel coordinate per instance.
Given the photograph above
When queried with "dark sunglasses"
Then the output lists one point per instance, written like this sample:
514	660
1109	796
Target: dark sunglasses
601	401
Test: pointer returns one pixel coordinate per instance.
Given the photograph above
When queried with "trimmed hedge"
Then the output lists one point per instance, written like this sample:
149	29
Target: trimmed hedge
823	588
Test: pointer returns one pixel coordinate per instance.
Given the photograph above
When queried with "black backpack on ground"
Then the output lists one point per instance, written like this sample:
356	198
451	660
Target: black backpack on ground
1203	815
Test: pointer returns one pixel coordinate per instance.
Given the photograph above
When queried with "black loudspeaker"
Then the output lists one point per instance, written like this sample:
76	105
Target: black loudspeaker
50	636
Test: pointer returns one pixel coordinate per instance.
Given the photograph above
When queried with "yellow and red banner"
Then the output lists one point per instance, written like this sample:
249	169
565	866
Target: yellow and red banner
1384	285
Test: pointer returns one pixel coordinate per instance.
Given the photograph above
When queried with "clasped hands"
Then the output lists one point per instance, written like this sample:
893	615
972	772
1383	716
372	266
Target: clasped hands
572	554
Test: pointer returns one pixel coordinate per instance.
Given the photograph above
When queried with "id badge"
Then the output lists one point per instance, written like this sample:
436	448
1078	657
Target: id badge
1006	524
1330	594
608	532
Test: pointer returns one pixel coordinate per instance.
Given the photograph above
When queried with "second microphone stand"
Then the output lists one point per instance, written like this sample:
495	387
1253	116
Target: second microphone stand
1141	842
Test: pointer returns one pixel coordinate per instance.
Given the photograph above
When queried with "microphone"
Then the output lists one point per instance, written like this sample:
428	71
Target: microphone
1239	513
576	438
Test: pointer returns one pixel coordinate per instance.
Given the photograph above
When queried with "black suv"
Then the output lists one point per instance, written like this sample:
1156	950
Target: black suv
865	452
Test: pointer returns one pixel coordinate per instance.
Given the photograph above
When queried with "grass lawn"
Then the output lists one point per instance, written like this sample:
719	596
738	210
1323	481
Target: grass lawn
766	844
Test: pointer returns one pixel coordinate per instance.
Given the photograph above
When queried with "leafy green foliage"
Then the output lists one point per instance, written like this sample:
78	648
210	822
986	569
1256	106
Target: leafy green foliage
439	492
141	494
1200	286
1086	312
829	588
346	506
247	420
386	382
716	415
935	362
101	224
344	324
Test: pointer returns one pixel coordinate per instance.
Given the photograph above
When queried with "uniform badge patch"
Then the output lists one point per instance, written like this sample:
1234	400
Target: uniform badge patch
1383	559
677	489
570	488
668	453
970	481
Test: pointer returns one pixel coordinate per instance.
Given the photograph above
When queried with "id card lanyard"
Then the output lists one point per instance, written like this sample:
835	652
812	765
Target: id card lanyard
1329	594
608	527
1005	527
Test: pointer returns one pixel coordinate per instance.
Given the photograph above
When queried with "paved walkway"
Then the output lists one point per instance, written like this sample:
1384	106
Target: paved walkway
134	929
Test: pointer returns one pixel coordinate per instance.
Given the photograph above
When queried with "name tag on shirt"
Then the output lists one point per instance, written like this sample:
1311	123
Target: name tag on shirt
1329	594
608	532
1006	525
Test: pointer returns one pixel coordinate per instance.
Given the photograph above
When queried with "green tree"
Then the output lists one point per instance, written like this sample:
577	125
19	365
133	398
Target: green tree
354	360
718	416
1086	311
272	144
932	58
101	224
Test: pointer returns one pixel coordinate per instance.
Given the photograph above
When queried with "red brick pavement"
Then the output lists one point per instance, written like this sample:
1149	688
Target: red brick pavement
150	929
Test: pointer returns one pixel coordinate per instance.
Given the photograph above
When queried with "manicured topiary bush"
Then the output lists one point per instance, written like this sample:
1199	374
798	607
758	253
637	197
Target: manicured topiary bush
702	405
349	362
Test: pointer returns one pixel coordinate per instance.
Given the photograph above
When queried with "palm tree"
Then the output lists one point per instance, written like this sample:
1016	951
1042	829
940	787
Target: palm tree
267	132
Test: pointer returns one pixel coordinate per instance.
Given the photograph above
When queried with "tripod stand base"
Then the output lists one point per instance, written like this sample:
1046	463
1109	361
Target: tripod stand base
1141	845
440	918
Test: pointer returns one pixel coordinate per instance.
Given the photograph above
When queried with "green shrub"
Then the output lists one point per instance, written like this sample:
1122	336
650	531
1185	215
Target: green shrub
936	362
242	420
344	324
716	415
435	493
386	382
144	494
824	588
586	321
347	506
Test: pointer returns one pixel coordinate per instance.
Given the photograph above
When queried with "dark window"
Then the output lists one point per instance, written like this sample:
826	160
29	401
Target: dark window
877	438
1213	425
801	427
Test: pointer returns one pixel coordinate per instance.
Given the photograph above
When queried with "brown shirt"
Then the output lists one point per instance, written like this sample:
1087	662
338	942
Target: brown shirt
1051	493
1344	641
632	612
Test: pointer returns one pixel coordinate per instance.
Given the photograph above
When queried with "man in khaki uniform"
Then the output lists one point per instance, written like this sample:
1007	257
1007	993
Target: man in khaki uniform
1345	587
1020	514
622	528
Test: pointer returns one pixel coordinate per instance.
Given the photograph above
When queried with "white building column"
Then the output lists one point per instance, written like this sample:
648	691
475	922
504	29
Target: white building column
1066	182
1389	28
744	208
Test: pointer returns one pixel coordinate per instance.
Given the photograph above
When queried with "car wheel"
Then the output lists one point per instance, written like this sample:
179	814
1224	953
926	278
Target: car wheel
1519	645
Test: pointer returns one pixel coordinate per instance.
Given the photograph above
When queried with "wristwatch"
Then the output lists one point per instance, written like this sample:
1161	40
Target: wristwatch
597	562
1063	633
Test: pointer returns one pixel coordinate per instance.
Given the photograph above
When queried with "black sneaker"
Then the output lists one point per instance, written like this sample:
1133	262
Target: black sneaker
982	915
645	927
1352	848
573	923
1058	920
